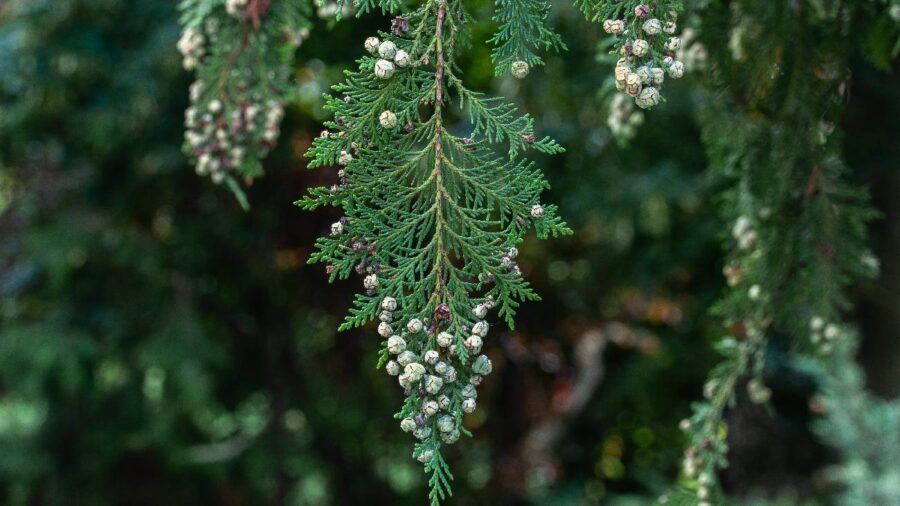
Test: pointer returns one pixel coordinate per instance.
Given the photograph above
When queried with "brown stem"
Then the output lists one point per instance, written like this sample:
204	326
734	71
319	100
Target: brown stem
232	59
439	65
440	192
812	184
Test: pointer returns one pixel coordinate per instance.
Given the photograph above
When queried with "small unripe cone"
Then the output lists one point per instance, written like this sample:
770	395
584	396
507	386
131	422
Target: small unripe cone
633	84
640	47
406	358
644	74
384	69
431	357
614	26
392	368
450	375
474	343
430	408
414	326
444	339
652	26
673	44
422	433
433	384
396	345
387	49
482	365
389	303
415	371
387	120
372	44
519	69
450	437
445	423
402	59
647	98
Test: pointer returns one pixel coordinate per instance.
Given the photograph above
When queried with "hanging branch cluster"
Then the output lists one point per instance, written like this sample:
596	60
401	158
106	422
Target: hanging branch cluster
799	229
434	209
645	42
242	52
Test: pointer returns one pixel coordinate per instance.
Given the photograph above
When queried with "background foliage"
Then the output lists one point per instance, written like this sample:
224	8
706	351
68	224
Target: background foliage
158	345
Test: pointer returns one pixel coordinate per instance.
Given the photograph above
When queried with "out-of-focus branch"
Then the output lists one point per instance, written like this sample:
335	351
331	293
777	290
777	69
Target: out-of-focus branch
539	442
535	453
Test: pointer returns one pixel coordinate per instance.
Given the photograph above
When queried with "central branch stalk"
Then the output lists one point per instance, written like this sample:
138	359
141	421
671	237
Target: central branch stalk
440	288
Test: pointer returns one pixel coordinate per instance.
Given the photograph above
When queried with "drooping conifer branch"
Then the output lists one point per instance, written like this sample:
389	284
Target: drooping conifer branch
431	218
799	229
644	41
241	52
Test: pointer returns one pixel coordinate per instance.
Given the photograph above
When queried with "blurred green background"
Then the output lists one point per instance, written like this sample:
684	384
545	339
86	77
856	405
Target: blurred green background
159	346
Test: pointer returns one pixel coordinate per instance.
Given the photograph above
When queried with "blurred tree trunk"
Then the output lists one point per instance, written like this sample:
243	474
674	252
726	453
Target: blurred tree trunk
876	157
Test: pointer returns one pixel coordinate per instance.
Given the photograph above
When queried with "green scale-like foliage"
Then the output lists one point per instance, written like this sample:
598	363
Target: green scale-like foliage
522	32
601	10
433	215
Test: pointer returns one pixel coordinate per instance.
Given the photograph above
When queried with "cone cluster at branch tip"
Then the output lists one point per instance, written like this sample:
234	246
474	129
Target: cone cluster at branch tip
218	133
237	100
647	48
390	57
430	375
